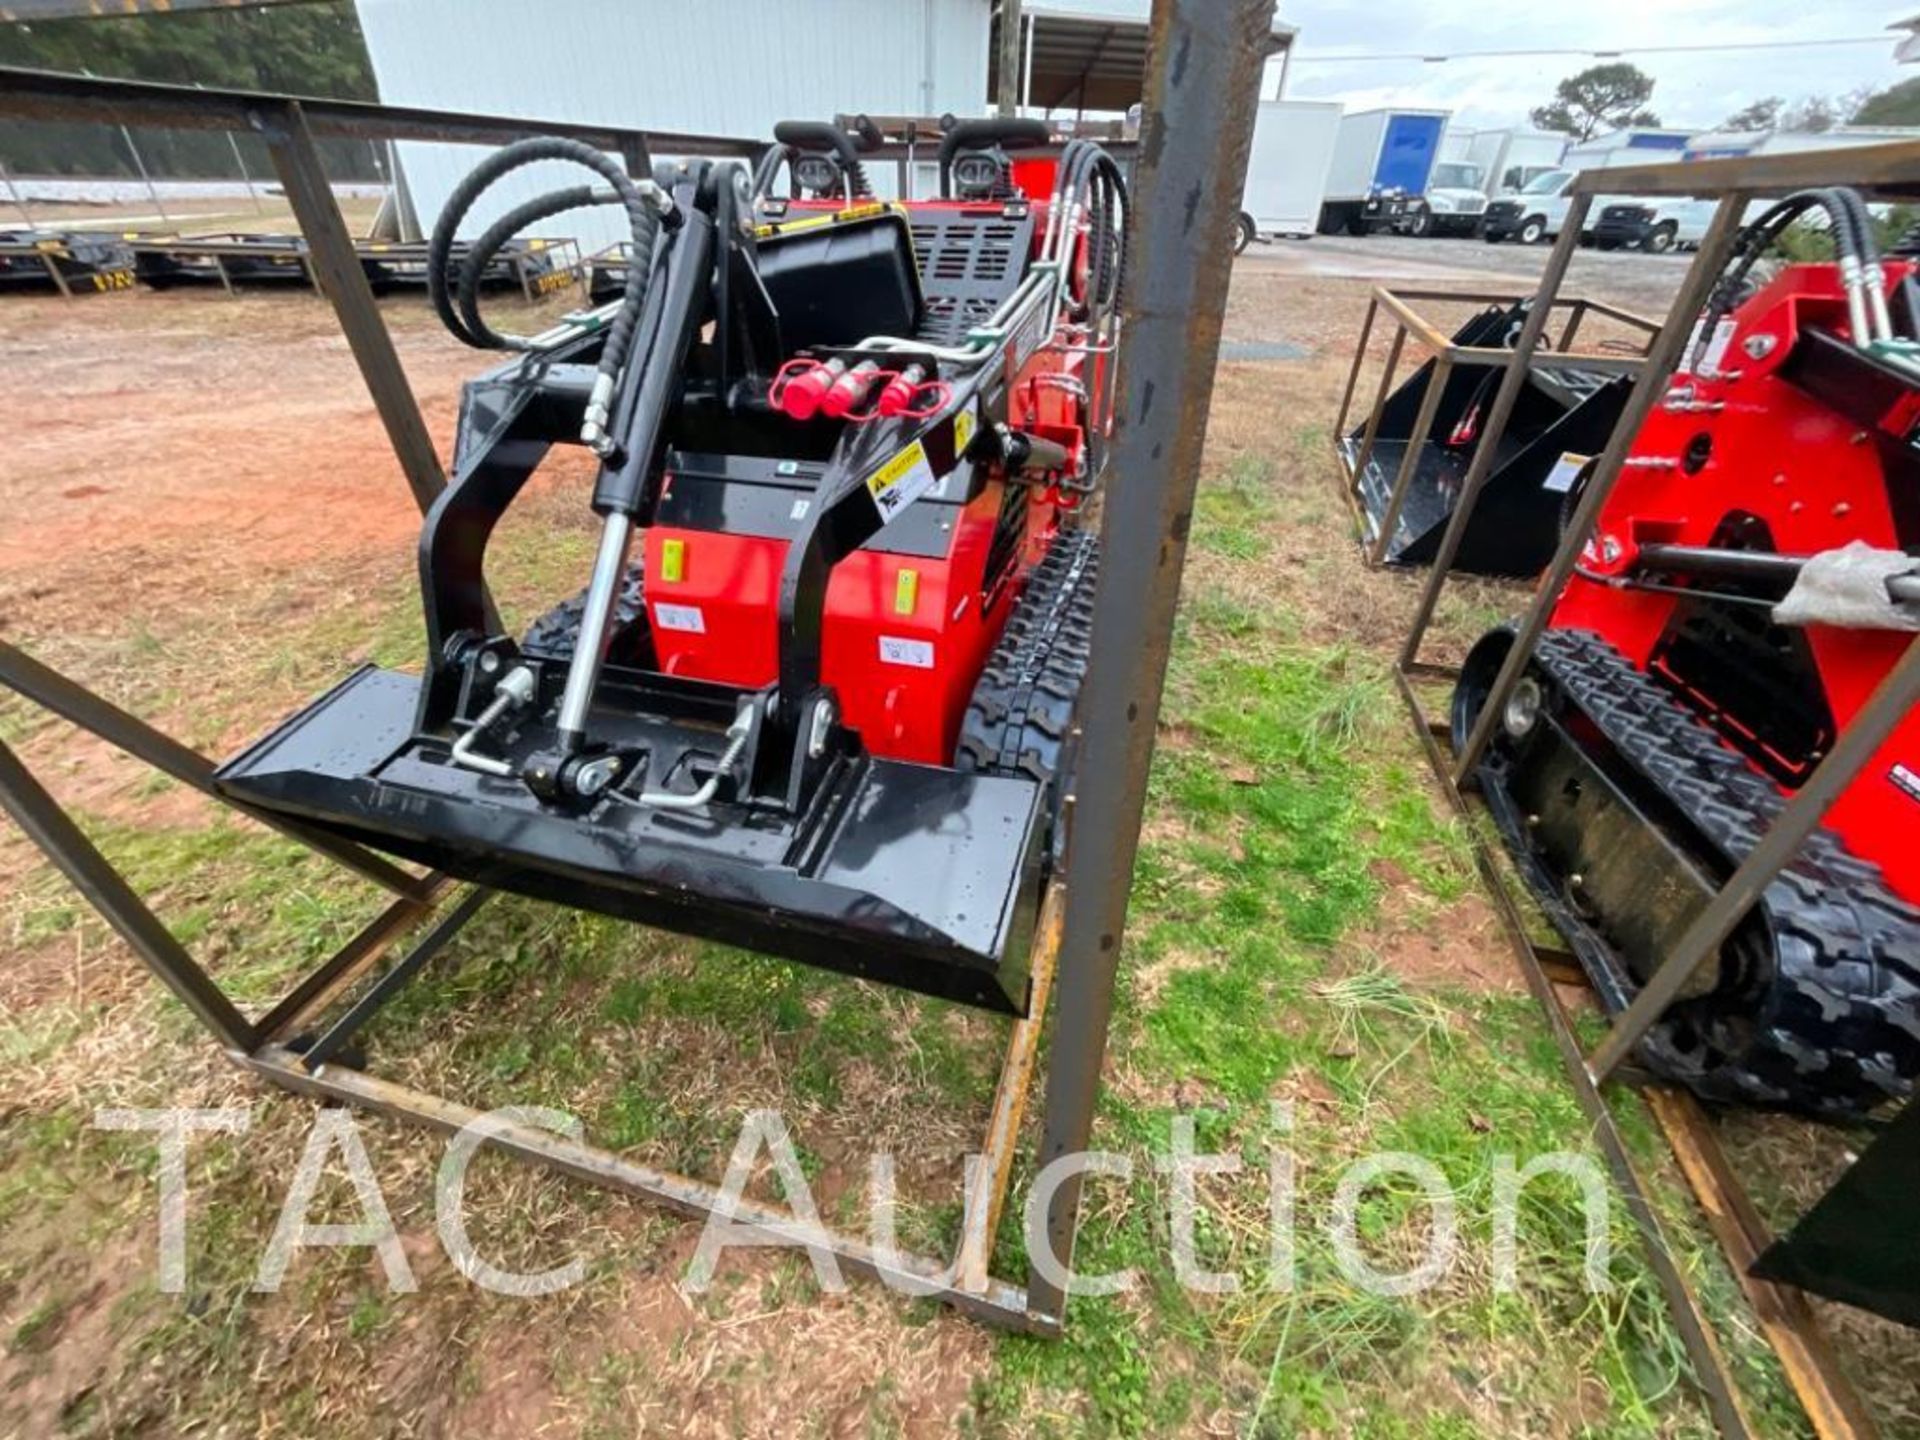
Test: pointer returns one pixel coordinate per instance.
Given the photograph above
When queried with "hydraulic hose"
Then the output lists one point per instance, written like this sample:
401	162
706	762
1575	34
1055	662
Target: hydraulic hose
1762	233
646	206
480	254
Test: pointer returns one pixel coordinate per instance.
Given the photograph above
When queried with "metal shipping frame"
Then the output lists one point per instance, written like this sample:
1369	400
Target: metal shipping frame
1446	354
1202	89
1786	1318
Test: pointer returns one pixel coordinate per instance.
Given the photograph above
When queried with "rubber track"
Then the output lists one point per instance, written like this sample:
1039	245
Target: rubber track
1020	717
1835	1028
552	636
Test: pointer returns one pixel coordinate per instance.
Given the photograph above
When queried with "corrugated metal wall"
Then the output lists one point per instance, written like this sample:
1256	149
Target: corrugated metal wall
730	67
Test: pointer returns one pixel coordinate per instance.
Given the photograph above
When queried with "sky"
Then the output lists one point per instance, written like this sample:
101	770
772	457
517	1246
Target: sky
1692	91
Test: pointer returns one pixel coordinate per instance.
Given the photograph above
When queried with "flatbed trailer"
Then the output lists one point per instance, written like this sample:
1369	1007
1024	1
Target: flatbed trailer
536	266
71	262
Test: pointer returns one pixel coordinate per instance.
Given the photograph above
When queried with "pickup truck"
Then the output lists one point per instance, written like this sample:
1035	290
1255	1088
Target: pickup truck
1658	225
1538	210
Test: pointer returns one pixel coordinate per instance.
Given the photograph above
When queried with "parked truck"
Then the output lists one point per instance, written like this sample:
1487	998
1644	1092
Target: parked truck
1537	211
1510	159
1293	142
1454	199
1382	161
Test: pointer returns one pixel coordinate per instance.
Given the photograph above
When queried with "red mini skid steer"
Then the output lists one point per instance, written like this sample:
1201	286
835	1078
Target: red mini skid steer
1750	579
824	707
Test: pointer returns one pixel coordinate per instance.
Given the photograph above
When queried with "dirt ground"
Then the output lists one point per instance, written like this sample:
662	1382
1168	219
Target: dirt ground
176	466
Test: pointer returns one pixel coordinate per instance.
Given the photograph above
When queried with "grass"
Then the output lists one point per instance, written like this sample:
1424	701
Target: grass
1295	859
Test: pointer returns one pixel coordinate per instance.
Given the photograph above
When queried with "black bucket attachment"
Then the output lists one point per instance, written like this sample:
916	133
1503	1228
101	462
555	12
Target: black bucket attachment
1516	525
1858	1242
916	876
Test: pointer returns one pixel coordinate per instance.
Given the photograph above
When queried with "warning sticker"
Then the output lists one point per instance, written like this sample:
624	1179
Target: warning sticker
901	481
895	650
962	431
686	618
1565	471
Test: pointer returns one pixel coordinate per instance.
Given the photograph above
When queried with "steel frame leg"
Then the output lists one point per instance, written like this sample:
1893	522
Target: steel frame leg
94	876
1495	424
1410	462
334	265
1203	82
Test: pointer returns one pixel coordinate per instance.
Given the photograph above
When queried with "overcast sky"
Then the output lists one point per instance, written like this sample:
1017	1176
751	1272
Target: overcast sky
1692	90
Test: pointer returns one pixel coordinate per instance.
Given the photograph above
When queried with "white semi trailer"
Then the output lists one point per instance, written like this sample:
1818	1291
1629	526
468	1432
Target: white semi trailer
1293	144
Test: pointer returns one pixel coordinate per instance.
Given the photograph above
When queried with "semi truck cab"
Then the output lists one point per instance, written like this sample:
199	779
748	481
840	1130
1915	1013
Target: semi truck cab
1454	202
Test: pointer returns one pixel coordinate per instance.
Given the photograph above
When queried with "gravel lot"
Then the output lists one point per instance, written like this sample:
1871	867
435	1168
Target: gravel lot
1627	276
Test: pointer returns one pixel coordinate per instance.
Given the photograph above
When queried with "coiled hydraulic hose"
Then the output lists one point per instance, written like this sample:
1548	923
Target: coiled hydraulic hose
1854	247
646	206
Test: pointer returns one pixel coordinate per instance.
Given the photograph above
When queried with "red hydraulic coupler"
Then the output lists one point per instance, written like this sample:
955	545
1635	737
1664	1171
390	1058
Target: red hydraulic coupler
897	397
910	395
848	390
801	385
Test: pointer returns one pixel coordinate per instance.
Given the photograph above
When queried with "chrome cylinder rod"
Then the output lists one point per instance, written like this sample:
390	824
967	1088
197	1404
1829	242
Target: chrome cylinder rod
596	627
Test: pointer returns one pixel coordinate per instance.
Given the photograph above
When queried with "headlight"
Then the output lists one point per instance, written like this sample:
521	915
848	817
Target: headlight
818	173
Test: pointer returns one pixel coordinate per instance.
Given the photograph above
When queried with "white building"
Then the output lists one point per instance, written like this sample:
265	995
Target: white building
728	67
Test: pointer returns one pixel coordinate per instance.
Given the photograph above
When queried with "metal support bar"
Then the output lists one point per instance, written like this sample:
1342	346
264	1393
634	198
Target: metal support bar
1379	403
388	985
146	179
1410	462
49	688
1495	424
335	267
14	196
49	259
1886	708
1709	1365
635	155
981	1220
999	1304
347	964
233	144
1203	84
93	875
1648	389
1359	359
1006	85
48	95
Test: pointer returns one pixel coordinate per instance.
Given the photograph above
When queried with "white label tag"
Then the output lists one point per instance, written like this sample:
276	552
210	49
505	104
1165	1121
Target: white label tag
800	508
1906	780
894	650
686	618
1565	471
1717	347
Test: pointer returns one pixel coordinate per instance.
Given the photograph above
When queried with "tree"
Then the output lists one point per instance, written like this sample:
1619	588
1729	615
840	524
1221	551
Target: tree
313	49
1760	115
1608	97
1899	105
1815	115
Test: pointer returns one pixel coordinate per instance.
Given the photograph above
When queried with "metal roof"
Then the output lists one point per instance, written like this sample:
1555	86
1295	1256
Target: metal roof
1089	54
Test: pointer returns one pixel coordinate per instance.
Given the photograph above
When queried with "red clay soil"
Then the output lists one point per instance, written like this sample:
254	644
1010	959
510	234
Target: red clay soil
151	437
